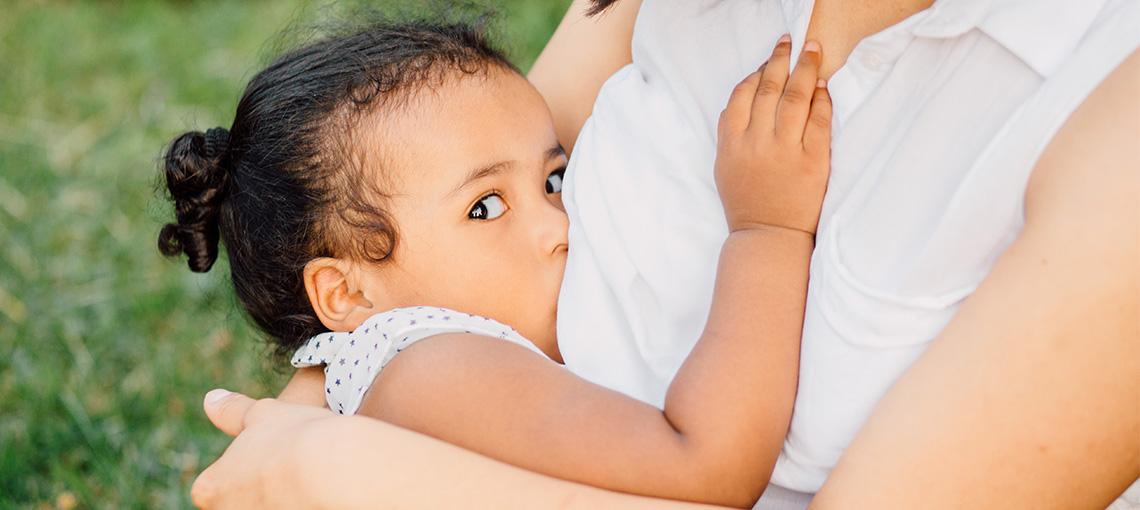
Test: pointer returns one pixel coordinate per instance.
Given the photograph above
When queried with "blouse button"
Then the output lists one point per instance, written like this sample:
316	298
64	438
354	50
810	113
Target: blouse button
871	61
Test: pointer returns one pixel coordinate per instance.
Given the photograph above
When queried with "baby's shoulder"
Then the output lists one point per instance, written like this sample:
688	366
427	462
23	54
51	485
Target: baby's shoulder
445	372
356	362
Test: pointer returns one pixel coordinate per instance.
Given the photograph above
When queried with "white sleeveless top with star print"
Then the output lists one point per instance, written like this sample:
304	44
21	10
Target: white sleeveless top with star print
353	360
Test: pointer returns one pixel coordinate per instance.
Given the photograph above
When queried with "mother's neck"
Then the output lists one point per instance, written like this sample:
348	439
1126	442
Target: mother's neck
839	25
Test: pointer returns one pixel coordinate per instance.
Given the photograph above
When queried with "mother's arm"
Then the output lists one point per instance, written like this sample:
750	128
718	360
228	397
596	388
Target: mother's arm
1030	398
292	455
581	55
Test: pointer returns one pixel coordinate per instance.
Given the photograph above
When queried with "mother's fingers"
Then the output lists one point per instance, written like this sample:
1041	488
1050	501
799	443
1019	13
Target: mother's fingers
792	112
204	492
226	410
209	489
228	482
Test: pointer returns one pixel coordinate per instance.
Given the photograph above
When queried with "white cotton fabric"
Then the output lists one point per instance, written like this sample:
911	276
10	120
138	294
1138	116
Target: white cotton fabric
939	122
353	360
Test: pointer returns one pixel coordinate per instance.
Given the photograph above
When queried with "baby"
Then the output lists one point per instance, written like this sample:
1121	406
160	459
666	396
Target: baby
390	205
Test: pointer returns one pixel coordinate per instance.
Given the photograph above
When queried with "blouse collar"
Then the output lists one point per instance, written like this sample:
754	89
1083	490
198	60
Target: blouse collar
1042	33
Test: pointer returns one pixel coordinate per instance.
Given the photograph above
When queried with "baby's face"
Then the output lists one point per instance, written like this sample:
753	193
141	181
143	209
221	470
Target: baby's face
476	173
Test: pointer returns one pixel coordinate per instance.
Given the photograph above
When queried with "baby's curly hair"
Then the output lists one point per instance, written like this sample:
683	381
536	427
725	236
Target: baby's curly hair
286	183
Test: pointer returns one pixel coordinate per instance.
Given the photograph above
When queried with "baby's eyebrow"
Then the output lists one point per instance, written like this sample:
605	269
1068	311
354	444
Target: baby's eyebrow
495	168
483	172
555	152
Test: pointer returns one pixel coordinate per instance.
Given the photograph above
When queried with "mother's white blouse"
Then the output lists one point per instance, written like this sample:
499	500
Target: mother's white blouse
939	121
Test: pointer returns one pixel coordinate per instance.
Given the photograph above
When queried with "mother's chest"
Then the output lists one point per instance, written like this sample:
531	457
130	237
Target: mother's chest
926	193
921	193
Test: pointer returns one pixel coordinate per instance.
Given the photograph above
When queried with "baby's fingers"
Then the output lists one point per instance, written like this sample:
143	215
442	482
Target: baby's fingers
792	112
817	133
735	116
771	86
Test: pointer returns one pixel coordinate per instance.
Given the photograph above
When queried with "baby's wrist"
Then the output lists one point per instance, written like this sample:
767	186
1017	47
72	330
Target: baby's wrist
748	227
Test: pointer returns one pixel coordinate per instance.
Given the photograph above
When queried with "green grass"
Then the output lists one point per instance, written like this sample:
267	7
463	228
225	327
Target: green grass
106	347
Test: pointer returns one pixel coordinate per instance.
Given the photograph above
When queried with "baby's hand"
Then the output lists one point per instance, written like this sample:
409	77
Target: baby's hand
774	148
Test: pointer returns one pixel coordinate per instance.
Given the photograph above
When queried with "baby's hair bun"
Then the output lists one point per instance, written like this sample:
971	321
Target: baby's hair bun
197	177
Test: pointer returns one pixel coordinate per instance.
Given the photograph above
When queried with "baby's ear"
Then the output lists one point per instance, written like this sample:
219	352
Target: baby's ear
335	294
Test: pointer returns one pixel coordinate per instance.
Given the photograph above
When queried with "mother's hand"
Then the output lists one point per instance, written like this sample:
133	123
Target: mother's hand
259	468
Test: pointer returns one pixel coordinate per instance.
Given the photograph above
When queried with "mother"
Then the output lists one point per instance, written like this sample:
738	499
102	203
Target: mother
972	335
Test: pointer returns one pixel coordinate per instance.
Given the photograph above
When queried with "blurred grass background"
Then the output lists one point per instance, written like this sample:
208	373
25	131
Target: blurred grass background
106	348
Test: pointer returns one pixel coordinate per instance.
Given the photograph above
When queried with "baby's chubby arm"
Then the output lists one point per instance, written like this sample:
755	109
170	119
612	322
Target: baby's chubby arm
728	409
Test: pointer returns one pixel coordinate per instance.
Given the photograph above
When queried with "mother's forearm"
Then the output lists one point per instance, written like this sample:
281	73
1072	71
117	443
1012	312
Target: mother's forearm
368	464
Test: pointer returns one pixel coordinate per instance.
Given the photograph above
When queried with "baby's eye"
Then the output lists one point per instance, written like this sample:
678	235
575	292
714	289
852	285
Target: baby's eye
488	208
554	181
